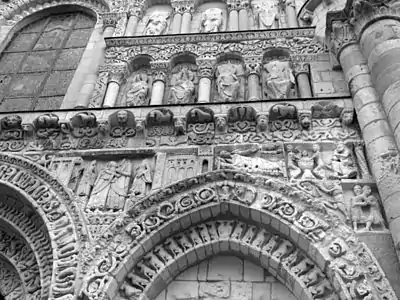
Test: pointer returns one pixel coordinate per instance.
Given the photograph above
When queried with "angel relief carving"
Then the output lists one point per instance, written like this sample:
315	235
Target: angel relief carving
229	82
110	188
279	79
212	20
138	91
157	23
182	85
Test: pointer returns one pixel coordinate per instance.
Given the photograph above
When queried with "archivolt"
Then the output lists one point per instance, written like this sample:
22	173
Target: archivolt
54	204
313	226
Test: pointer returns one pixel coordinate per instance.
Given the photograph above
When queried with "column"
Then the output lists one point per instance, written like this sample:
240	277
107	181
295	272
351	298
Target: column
380	145
233	18
159	73
134	15
186	22
243	18
380	44
206	72
109	24
115	80
176	23
302	71
253	79
291	16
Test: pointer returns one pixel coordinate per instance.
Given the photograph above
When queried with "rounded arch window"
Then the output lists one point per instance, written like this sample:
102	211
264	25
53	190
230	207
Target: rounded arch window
38	64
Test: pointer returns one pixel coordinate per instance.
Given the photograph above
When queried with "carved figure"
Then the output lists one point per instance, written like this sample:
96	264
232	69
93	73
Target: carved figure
157	24
305	165
342	162
88	179
142	178
279	79
138	93
109	191
266	14
240	160
365	209
228	82
183	86
212	20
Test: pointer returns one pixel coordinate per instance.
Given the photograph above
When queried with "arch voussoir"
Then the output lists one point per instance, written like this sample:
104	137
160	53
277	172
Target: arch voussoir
284	210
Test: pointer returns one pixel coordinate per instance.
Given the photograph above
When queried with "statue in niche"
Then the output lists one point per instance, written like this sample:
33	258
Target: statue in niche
365	209
304	165
266	14
110	188
182	86
143	178
267	163
87	180
228	82
212	20
157	23
342	163
138	93
279	79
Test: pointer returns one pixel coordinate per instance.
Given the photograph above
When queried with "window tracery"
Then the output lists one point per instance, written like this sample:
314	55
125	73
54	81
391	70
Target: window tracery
38	64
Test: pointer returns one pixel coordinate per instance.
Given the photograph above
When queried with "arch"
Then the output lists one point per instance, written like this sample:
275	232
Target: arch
289	210
55	206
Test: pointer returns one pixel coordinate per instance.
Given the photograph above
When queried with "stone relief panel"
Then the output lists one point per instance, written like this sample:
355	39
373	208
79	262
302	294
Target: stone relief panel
229	81
209	17
183	84
156	21
278	79
137	90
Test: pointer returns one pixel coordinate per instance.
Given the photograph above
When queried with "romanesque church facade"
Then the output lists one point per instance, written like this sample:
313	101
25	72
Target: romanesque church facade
199	149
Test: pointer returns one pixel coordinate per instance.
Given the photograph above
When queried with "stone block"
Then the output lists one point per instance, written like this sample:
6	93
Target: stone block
323	88
183	290
202	270
261	291
214	290
241	290
162	295
225	268
252	272
189	274
279	292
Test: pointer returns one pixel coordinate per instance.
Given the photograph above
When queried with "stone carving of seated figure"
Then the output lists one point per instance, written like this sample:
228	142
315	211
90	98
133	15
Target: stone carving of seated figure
138	93
183	87
157	23
279	79
266	15
212	20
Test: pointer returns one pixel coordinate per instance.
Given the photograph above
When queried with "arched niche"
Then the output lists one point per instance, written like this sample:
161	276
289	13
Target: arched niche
278	81
157	20
11	286
41	198
251	207
230	81
210	17
183	81
136	90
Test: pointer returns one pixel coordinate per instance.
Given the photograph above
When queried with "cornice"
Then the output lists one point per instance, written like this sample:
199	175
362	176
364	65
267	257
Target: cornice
237	36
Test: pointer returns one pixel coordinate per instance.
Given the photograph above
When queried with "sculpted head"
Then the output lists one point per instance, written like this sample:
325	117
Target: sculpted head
357	190
211	20
122	117
157	24
305	120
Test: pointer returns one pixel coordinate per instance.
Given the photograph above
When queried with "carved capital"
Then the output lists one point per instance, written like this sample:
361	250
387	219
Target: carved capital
137	9
159	70
341	35
253	64
301	67
110	19
116	72
183	6
206	67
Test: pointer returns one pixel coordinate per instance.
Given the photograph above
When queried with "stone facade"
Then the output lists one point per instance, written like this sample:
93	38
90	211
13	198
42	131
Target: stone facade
199	150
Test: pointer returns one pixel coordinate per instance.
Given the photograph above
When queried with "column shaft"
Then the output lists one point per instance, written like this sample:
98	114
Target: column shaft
243	19
233	20
131	26
186	22
111	94
304	86
380	145
90	80
176	24
291	15
157	93
254	87
204	90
